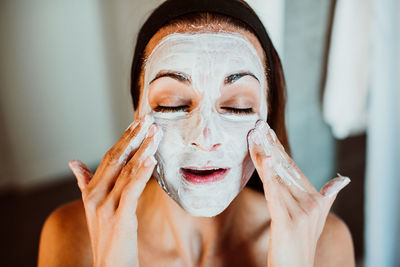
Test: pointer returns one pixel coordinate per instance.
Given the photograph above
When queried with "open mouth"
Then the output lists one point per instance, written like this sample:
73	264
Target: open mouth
202	176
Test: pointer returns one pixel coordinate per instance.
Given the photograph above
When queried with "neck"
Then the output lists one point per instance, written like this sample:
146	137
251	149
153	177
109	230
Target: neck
194	238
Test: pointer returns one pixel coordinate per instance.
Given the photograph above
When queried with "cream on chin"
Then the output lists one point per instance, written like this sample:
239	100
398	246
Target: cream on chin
204	138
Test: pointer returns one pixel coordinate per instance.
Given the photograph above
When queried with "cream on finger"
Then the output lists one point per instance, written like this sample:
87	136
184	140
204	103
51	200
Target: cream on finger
264	135
137	139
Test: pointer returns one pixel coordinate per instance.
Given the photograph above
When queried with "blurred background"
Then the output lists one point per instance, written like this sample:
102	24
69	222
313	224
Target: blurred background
64	94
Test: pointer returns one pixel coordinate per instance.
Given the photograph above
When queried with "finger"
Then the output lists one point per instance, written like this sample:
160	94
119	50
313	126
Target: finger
259	155
115	159
146	150
258	137
134	188
82	173
283	163
263	164
333	187
281	203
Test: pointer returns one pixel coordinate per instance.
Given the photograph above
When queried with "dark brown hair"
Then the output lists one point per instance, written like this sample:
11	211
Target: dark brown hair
276	99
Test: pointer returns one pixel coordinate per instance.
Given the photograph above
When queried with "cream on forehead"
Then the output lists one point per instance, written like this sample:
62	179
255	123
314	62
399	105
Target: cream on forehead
207	58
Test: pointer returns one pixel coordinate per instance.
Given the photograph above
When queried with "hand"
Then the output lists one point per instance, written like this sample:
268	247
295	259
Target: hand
298	211
110	196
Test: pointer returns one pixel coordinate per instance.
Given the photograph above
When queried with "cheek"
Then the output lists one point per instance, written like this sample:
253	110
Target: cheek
237	133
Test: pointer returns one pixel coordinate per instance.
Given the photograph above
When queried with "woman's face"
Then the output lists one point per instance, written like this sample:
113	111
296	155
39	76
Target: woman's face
206	91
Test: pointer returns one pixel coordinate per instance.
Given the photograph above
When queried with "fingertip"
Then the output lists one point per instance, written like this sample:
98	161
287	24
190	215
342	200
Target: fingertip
254	137
334	186
259	122
75	162
77	171
79	165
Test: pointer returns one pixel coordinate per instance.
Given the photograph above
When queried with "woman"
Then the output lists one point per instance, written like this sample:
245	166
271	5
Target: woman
208	89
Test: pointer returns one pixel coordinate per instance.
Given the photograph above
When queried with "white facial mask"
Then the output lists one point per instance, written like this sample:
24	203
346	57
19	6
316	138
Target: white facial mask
204	136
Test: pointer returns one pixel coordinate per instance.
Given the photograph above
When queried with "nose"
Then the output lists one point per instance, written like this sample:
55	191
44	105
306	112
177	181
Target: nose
205	140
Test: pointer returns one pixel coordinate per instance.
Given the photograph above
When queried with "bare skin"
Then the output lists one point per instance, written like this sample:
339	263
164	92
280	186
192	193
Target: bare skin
65	239
143	225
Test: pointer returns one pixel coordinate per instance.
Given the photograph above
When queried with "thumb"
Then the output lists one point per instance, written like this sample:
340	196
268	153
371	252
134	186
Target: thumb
82	173
333	187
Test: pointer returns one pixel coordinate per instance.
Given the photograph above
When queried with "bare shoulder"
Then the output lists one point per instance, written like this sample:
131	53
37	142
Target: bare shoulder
335	246
64	240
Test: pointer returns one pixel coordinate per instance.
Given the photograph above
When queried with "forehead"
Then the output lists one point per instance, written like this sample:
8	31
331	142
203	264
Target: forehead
208	28
222	51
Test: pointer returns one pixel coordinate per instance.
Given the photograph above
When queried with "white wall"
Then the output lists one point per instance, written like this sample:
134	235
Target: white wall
54	88
272	14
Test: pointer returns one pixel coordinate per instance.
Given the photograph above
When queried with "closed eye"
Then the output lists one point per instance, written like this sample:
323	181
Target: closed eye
171	108
241	111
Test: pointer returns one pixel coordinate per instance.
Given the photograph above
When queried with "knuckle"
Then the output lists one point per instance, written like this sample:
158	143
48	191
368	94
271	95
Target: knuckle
113	155
127	171
130	168
102	211
312	207
89	197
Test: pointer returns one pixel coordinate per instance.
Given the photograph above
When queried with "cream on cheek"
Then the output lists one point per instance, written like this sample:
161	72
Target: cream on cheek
204	137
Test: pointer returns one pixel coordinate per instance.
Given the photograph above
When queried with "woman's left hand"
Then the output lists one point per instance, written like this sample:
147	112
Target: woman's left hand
298	211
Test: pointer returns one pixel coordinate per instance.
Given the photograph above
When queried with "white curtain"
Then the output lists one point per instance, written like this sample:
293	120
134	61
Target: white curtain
363	91
345	95
383	146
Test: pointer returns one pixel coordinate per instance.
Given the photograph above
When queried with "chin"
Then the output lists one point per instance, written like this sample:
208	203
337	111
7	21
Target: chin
205	211
208	200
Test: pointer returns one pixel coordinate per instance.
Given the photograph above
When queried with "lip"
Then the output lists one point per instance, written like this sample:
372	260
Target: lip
203	175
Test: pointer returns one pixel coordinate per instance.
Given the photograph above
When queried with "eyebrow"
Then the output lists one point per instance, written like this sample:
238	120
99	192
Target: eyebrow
179	76
236	76
182	77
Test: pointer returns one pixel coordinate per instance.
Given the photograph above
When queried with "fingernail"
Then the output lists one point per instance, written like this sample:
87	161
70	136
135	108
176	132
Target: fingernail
150	161
259	123
339	185
72	163
75	165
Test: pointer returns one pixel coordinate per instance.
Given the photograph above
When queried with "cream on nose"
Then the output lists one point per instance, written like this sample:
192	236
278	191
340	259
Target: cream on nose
206	139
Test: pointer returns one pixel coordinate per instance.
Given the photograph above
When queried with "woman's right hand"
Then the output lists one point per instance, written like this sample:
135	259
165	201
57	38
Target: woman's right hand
110	196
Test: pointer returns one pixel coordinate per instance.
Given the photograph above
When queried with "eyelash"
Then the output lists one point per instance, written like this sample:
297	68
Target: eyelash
239	110
170	109
183	108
